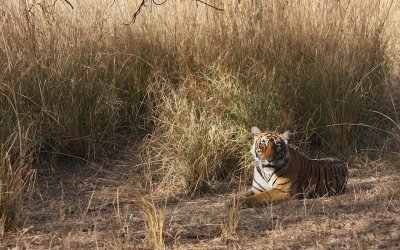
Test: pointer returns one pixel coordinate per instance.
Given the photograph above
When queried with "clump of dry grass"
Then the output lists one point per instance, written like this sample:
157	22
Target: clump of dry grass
14	181
16	156
15	177
231	221
155	223
8	185
194	121
200	129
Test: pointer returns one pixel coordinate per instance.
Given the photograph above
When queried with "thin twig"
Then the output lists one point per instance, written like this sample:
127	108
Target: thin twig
143	3
72	7
154	1
209	5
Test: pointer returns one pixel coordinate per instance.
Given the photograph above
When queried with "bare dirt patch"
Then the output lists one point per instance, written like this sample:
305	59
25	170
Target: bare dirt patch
77	206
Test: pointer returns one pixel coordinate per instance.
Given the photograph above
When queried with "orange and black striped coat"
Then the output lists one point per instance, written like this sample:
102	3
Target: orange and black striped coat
282	172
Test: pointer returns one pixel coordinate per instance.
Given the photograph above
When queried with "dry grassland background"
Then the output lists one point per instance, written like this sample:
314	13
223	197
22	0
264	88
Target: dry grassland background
120	134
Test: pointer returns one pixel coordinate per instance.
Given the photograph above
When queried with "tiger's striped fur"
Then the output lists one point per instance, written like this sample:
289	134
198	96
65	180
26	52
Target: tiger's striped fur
282	172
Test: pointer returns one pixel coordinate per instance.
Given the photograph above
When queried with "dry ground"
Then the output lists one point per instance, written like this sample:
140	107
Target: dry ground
84	207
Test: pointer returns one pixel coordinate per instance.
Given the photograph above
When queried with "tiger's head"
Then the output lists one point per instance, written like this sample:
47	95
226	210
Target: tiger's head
270	148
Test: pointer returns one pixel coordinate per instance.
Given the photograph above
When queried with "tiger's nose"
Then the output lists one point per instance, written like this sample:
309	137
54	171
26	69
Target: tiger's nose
268	157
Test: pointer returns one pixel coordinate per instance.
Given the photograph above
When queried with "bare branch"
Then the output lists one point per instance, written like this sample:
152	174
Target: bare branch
72	7
209	5
44	7
144	4
154	1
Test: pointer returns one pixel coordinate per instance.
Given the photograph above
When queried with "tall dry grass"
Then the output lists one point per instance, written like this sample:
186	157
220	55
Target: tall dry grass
71	82
79	73
314	67
191	78
16	156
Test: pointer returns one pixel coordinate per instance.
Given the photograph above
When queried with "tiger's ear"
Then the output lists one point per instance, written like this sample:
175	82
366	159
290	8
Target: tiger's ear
255	131
286	136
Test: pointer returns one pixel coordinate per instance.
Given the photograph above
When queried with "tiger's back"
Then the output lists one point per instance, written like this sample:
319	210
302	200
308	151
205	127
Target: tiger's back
319	177
282	172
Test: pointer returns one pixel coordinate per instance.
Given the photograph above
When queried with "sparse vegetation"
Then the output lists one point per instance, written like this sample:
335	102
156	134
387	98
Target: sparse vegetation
185	83
231	221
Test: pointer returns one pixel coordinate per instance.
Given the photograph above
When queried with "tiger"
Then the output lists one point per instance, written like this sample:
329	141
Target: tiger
282	172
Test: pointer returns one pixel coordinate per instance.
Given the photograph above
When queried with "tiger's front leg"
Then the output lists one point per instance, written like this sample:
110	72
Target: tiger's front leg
265	197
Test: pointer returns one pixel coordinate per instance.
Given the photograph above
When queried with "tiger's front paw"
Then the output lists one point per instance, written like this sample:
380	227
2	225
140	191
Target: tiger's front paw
254	200
246	194
240	200
246	202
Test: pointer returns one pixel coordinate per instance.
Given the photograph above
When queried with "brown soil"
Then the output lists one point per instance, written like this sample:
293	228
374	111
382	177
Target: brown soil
84	207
